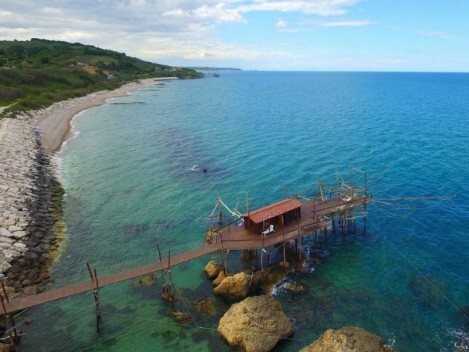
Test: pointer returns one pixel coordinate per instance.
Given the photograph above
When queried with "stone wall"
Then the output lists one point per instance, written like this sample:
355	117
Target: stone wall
30	208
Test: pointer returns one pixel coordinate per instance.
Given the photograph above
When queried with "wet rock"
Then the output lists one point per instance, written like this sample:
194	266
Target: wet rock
349	339
234	288
221	276
256	324
212	269
294	287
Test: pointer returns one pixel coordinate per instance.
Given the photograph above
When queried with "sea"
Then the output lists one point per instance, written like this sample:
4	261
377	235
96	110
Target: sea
134	181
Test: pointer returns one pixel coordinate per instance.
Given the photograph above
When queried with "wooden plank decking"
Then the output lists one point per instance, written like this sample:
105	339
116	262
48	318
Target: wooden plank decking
237	238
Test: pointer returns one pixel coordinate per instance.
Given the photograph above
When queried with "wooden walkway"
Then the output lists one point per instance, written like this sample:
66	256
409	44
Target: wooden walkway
233	238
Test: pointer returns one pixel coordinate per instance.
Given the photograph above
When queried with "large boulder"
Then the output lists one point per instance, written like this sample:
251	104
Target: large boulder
348	339
255	324
212	269
234	288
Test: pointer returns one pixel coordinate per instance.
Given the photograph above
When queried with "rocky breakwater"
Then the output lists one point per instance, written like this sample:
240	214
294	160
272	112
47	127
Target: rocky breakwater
30	209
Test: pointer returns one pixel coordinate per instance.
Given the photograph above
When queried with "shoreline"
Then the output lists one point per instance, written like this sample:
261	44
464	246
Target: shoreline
54	122
32	231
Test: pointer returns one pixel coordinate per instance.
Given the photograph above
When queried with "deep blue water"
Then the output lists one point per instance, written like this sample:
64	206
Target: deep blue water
129	185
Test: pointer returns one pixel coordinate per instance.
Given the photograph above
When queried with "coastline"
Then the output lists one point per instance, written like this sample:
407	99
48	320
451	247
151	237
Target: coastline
32	231
54	121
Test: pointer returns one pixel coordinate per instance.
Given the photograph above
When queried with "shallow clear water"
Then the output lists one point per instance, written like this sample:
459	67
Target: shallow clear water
129	186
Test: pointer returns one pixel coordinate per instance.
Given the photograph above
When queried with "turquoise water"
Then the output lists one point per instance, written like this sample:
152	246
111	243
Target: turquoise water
129	185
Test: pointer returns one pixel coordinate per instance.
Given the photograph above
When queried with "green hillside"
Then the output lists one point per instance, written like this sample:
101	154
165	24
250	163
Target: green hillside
36	73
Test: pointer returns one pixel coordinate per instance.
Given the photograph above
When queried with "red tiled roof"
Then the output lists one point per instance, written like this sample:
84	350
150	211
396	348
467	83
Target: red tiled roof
273	210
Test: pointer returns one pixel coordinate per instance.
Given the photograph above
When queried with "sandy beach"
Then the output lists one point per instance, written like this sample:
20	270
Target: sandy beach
54	121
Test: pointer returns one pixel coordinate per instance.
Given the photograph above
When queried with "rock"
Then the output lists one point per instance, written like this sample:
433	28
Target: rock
428	290
19	245
206	306
14	228
9	222
5	233
182	317
212	269
145	280
4	347
255	324
19	234
221	276
234	288
348	339
294	287
6	240
10	253
4	267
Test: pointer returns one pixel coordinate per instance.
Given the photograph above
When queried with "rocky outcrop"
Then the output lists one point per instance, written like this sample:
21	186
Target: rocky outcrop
30	207
256	324
234	288
212	269
349	339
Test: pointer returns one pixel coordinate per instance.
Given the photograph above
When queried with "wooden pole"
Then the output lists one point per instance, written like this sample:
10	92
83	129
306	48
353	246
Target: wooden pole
7	320
96	300
159	252
89	270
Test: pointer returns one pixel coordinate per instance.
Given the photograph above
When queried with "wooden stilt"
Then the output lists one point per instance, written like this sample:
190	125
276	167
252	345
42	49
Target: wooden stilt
224	263
89	270
159	252
12	332
284	257
262	259
94	278
96	301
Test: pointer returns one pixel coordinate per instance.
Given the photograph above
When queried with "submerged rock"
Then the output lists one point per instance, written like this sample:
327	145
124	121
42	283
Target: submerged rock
294	287
428	290
182	317
348	339
206	306
256	324
145	280
234	288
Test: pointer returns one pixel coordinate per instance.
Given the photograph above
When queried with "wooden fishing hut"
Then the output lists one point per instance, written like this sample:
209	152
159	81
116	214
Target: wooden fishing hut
266	220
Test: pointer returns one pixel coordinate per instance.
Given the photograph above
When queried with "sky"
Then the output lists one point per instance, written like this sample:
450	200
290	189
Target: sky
300	35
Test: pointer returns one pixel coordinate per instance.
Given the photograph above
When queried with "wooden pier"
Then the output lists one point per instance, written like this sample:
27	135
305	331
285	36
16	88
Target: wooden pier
312	216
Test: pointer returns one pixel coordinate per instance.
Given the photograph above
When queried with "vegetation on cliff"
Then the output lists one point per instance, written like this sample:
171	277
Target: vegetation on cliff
36	73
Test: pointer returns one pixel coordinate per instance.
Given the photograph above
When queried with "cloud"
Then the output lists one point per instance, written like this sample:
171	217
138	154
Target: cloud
281	23
347	23
436	34
153	29
316	7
